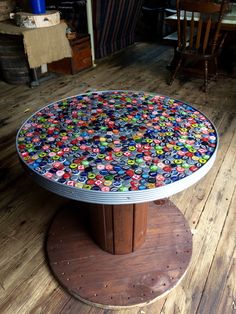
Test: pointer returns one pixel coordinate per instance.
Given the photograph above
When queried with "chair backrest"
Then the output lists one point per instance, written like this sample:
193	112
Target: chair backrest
199	25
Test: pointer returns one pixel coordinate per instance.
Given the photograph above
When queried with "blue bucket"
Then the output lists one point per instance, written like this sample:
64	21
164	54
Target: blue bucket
38	6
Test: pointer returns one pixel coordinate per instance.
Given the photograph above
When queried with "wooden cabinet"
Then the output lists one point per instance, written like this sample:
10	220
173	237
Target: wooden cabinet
81	57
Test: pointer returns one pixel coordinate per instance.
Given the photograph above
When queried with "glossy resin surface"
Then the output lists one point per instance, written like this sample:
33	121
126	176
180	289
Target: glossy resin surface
117	141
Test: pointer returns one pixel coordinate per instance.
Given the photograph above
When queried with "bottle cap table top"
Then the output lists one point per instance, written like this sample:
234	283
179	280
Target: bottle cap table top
116	147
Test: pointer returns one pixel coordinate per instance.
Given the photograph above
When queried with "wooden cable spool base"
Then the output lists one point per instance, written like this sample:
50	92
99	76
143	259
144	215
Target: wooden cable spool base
109	280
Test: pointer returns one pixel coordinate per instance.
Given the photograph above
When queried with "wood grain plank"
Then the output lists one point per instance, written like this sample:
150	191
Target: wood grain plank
101	225
23	296
123	228
140	224
216	282
51	303
108	211
206	236
228	300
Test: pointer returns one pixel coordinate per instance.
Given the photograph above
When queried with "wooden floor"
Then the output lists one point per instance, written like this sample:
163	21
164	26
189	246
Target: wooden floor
209	287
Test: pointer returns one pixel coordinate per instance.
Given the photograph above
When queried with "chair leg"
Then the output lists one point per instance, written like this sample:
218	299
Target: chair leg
216	67
205	87
175	71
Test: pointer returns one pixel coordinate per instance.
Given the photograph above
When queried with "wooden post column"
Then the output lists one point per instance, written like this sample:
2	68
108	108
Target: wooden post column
119	229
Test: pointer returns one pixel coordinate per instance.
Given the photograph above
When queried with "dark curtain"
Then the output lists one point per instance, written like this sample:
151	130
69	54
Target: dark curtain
114	23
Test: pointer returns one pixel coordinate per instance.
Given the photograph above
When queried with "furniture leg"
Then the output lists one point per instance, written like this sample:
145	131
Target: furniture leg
35	81
175	71
205	76
216	67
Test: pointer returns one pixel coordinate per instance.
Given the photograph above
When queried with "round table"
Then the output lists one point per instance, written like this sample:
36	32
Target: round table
119	154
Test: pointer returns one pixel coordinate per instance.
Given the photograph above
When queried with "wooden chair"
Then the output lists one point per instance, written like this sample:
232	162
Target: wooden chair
199	36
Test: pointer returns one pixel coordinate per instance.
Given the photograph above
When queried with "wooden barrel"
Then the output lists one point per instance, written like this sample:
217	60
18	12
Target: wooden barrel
13	61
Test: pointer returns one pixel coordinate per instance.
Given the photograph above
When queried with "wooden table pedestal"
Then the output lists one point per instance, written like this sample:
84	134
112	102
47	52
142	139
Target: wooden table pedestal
141	259
119	229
